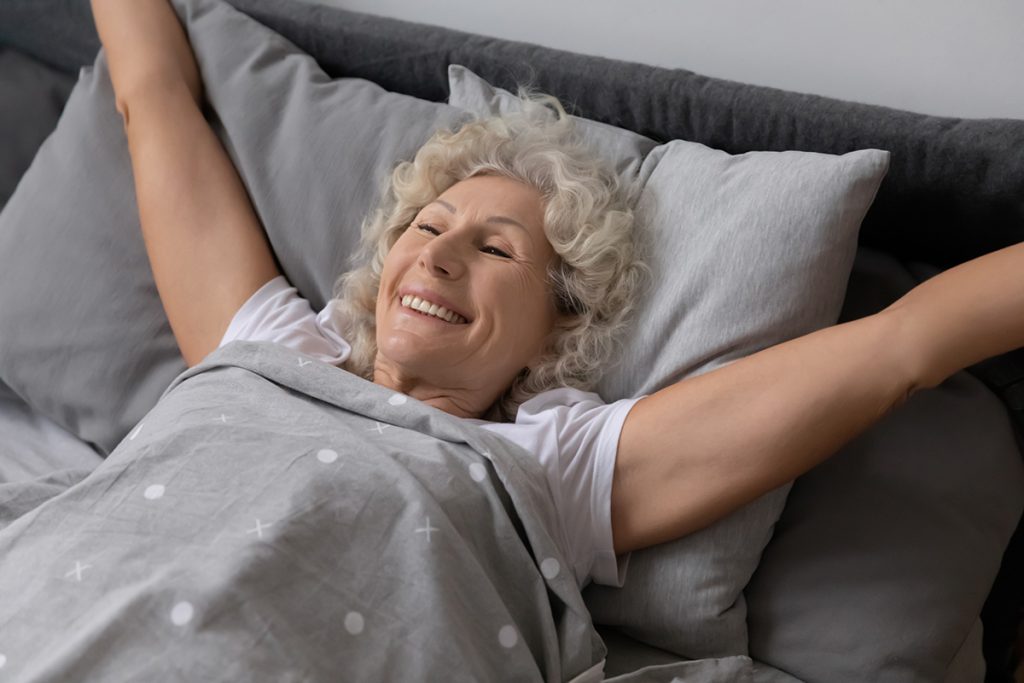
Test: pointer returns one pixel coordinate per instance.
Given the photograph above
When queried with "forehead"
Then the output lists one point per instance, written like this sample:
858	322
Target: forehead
494	195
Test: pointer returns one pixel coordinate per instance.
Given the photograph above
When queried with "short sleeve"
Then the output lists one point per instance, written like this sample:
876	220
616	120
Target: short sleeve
276	313
575	435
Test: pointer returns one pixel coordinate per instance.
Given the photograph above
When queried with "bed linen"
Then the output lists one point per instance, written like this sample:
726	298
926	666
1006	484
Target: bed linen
921	212
32	445
276	518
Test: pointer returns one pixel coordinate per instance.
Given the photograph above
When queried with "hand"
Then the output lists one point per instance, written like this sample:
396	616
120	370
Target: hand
146	47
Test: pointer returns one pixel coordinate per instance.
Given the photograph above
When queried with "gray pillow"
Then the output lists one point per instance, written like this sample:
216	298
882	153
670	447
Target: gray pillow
746	252
622	149
885	553
83	337
33	446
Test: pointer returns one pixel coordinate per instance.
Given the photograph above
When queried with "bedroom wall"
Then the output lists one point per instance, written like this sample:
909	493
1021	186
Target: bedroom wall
945	57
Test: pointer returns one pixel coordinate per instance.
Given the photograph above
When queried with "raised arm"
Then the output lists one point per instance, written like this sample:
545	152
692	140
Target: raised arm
206	246
697	450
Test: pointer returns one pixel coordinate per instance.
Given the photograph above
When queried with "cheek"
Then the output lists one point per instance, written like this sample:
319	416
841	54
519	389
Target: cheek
529	302
395	263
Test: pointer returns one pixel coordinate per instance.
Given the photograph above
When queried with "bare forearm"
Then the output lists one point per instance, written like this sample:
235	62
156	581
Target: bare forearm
966	314
144	43
204	240
697	450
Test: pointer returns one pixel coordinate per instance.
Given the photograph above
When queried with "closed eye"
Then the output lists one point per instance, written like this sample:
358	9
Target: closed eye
426	227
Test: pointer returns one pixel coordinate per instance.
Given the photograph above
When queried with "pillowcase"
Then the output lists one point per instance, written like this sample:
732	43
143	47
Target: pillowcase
746	252
885	553
83	336
33	446
622	149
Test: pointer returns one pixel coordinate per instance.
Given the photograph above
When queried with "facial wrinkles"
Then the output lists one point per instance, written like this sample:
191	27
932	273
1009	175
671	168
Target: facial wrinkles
491	288
515	282
519	247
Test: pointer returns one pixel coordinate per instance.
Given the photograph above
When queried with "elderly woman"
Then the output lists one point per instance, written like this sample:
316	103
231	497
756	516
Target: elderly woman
499	271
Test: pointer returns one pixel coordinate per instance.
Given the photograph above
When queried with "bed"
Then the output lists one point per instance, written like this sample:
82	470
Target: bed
173	524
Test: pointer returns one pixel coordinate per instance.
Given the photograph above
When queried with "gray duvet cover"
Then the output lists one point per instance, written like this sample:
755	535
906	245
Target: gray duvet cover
274	518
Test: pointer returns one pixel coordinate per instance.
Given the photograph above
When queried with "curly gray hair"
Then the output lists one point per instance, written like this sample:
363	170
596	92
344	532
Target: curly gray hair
588	219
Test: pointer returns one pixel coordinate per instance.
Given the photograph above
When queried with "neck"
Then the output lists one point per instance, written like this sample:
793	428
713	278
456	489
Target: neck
454	400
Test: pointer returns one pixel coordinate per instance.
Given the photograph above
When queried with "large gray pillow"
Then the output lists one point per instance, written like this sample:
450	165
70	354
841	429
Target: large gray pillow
746	252
83	336
885	553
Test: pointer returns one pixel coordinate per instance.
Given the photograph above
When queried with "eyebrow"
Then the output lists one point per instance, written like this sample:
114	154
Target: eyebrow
493	219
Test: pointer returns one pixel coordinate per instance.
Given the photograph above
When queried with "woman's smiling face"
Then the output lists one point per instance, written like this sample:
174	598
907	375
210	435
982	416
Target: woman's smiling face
479	254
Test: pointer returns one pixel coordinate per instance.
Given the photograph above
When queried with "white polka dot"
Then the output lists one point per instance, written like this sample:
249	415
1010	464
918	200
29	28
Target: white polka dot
398	399
549	568
507	636
182	613
477	471
154	491
3	661
354	623
326	455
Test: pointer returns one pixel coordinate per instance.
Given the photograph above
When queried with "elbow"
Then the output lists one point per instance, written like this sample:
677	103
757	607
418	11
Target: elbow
122	108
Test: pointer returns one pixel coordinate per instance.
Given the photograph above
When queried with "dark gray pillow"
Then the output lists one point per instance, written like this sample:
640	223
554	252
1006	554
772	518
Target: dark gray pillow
83	336
32	96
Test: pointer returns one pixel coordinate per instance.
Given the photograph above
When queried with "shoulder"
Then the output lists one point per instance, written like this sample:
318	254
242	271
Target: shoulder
562	398
277	313
566	423
573	414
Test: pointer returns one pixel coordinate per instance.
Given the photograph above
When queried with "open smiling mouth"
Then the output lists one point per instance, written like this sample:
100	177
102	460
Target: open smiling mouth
432	310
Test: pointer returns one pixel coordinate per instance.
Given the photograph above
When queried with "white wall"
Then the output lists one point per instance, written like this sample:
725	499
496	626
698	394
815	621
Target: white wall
946	57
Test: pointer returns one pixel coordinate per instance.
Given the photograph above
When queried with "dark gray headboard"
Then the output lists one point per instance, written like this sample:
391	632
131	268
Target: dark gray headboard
955	188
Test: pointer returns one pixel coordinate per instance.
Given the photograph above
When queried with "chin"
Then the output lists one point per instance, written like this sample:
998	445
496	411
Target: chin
411	352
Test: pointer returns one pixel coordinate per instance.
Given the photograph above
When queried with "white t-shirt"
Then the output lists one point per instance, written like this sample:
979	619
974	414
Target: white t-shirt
573	433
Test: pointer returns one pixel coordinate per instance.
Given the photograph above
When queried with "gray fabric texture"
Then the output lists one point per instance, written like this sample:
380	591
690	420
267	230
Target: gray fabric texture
622	149
882	559
31	99
83	338
955	189
746	251
265	522
631	660
312	153
34	446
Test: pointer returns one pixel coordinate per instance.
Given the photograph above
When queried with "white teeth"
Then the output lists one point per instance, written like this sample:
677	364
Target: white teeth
418	304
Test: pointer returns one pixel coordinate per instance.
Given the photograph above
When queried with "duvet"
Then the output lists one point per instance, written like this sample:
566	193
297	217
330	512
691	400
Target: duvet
274	518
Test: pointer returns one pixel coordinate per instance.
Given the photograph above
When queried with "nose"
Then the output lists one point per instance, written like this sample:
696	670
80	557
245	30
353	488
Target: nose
442	257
